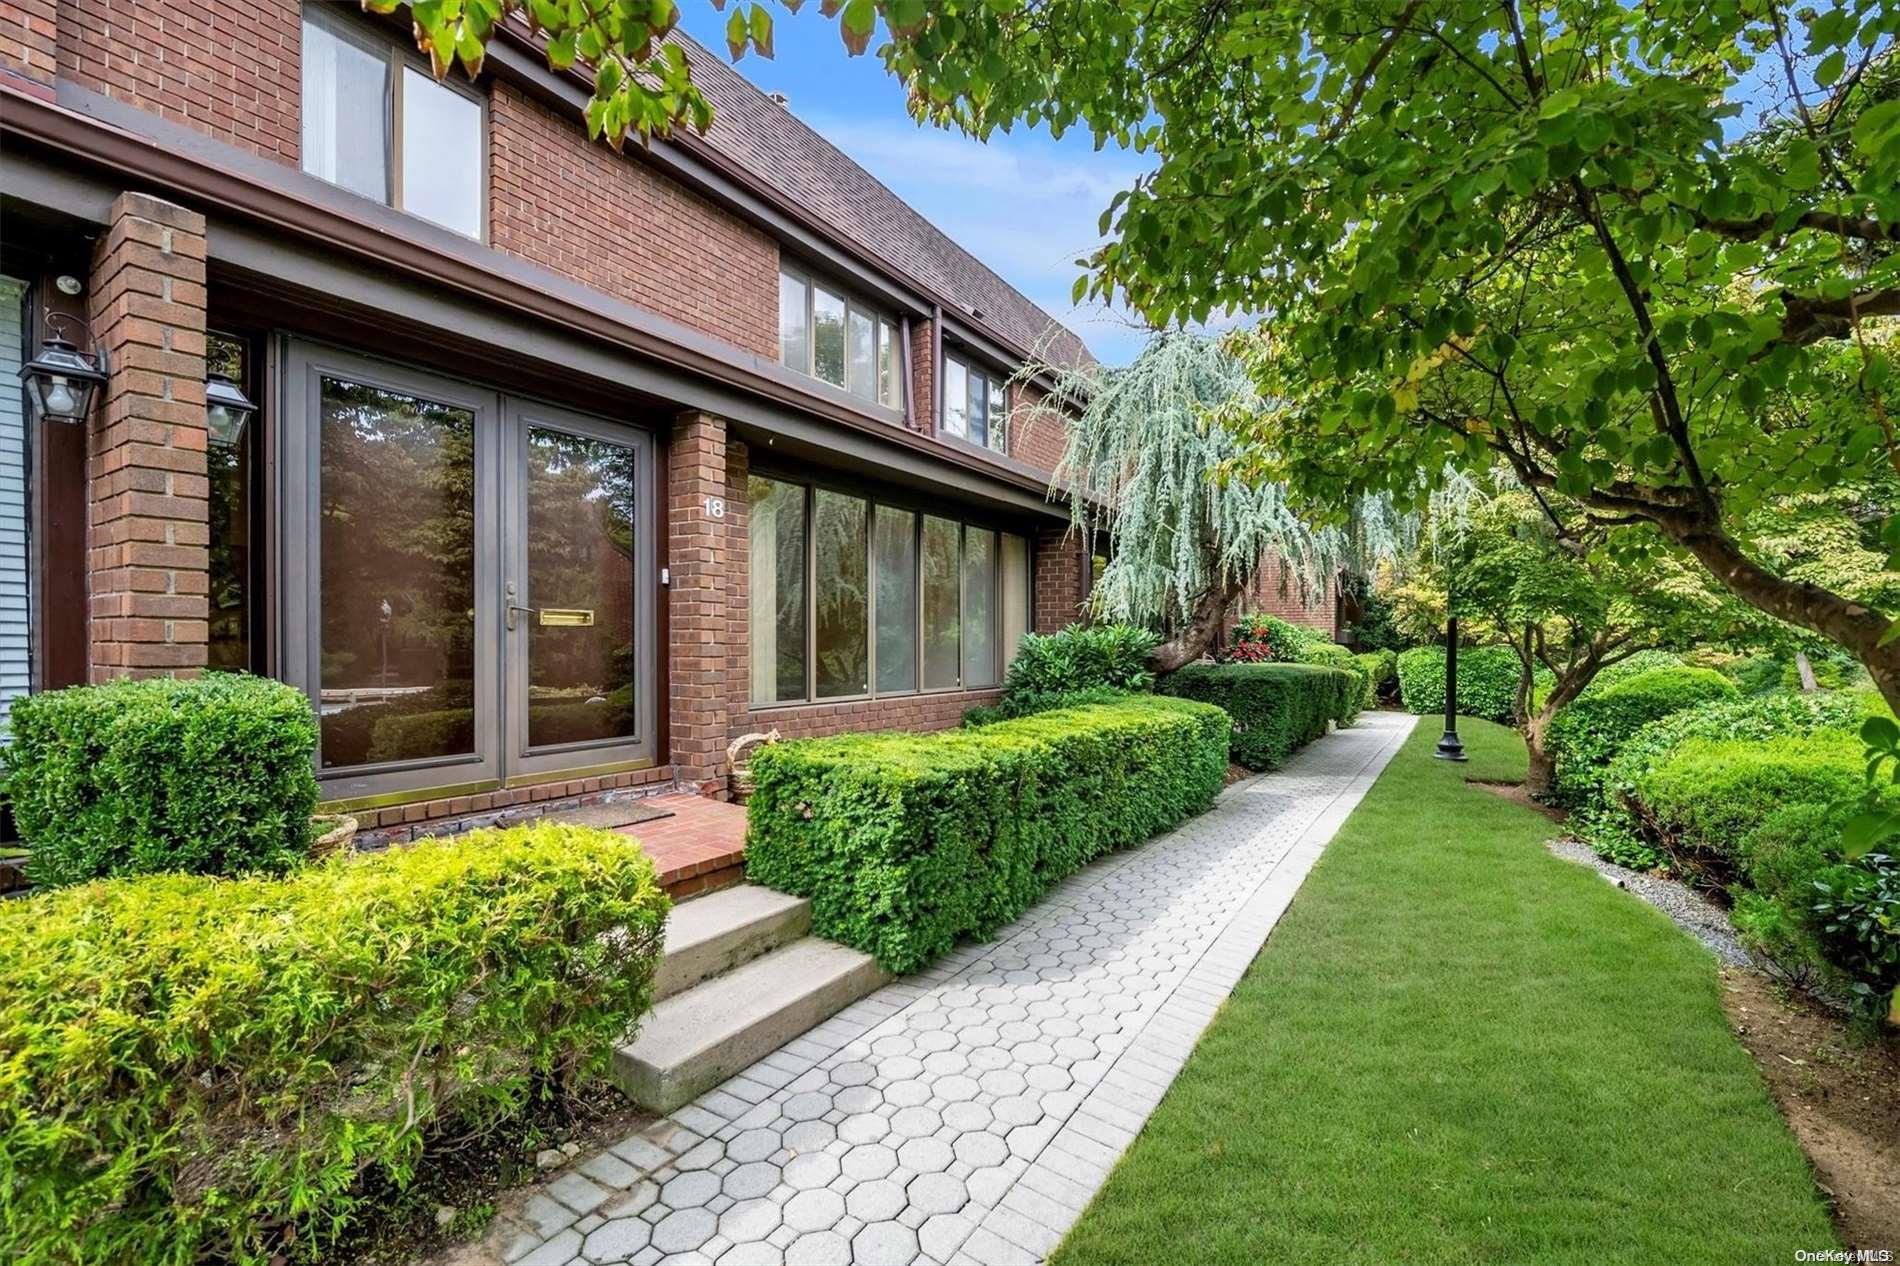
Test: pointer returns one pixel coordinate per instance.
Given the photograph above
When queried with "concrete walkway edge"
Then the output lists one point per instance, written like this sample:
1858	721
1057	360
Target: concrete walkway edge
967	1114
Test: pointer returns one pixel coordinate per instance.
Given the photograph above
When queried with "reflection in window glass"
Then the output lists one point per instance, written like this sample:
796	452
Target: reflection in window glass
979	608
956	395
979	409
441	154
863	378
580	558
887	363
777	597
794	345
896	561
345	104
827	311
843	594
396	593
999	410
1014	566
940	582
228	468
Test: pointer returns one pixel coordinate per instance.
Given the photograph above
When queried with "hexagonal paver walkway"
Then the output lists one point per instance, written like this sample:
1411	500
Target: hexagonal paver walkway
968	1113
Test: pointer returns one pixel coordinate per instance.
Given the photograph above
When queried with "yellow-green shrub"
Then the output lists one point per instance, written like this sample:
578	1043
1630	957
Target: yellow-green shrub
1276	708
191	1066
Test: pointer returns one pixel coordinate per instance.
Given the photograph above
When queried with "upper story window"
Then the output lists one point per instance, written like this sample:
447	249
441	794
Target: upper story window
975	403
838	339
377	123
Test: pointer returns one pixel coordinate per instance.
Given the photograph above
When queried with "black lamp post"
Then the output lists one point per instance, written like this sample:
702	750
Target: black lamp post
1449	748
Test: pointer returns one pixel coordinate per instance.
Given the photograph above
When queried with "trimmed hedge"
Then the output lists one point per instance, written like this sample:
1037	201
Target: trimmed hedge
1276	708
1708	794
1487	681
1382	667
208	776
1612	827
906	842
1333	655
208	1069
1593	728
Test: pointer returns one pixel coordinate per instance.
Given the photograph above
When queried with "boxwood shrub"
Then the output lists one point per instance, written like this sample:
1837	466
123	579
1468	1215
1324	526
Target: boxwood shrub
203	1069
210	776
1708	794
1382	666
1612	826
1586	734
1275	708
906	842
1333	655
1487	681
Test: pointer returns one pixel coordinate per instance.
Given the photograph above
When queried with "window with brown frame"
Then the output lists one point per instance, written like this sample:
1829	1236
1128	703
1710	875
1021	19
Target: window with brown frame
852	597
975	404
830	336
376	122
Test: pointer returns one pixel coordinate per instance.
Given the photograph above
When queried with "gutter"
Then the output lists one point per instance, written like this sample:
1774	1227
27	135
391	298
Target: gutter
221	178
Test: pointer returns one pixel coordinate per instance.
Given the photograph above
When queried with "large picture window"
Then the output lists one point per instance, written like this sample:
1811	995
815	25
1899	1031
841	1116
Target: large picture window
975	404
823	333
898	601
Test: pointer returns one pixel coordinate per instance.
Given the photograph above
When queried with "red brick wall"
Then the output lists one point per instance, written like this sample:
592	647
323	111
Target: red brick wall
923	377
148	522
1313	607
1036	434
574	206
228	68
905	712
1059	583
28	38
703	585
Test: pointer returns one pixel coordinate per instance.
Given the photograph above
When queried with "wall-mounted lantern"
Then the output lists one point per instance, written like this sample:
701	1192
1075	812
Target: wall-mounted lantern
227	409
62	380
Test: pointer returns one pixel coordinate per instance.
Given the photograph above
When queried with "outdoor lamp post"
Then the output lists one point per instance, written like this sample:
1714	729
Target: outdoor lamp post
62	380
1449	748
227	409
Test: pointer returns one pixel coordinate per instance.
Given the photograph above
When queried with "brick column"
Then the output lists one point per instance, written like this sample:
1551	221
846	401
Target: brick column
148	522
697	554
1060	585
923	377
738	606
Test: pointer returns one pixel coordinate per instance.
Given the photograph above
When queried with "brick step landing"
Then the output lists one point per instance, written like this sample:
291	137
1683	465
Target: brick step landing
740	979
699	847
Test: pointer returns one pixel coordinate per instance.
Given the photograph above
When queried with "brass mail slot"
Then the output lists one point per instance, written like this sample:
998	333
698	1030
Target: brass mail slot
566	617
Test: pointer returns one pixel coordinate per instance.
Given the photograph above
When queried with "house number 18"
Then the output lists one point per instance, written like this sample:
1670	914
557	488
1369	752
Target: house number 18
715	507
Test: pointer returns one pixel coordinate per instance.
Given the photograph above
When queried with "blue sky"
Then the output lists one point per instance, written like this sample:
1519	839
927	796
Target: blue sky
1024	204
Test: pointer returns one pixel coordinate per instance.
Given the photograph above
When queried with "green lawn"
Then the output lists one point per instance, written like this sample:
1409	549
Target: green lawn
1457	1048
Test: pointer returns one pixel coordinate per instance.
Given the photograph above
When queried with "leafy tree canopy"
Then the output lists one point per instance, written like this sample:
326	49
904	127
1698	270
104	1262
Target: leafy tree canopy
1644	254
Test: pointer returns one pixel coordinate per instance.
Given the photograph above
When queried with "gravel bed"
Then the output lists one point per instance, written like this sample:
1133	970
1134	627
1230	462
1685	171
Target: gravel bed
1689	909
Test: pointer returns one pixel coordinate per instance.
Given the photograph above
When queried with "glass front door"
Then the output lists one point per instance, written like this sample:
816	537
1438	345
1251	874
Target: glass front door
578	651
467	582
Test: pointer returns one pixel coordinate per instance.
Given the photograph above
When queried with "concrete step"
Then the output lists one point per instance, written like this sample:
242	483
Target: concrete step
717	932
694	1040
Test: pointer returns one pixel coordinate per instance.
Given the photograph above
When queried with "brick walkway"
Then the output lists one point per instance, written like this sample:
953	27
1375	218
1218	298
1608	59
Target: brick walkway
967	1114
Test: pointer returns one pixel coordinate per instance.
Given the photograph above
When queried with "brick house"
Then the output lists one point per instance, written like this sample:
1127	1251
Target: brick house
566	467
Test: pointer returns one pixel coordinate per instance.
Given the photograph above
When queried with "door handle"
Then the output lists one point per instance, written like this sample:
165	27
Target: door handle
512	608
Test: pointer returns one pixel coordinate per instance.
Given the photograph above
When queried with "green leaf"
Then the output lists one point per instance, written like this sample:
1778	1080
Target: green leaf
1828	73
738	33
1865	830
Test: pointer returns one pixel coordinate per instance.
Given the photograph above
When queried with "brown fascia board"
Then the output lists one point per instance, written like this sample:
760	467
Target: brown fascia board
695	159
230	180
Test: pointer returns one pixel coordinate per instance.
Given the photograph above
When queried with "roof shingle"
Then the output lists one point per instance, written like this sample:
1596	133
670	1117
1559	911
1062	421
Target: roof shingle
769	141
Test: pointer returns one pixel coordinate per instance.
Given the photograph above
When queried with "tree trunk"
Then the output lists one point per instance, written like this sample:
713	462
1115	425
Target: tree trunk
1540	772
1854	626
1195	638
1806	672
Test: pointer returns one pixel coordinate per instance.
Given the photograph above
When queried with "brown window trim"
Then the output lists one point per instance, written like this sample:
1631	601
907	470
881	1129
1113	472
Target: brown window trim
922	508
